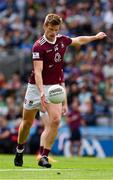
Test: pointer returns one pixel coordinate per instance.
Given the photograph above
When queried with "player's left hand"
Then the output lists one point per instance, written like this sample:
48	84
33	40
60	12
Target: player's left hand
43	103
101	35
64	109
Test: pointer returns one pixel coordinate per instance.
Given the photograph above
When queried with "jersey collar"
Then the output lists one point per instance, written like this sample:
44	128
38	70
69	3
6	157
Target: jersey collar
49	41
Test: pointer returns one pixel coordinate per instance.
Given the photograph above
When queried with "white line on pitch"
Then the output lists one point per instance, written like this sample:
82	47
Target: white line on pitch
31	169
44	169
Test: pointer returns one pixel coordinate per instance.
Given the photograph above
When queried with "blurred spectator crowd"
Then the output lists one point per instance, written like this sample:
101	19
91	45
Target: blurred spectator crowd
88	69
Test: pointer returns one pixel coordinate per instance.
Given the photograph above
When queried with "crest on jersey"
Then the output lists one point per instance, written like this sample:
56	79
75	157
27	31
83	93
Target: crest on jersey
36	55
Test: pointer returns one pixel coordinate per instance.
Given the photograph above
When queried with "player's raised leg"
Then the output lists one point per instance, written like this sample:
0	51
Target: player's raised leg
45	120
54	112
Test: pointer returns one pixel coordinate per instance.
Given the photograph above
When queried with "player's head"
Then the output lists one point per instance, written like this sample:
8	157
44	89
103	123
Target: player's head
53	19
52	26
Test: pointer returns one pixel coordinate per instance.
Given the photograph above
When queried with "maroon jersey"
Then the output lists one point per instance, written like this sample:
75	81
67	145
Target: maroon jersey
52	56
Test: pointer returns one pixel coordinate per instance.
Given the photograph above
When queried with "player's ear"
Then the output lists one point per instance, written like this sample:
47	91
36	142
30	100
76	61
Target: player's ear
44	26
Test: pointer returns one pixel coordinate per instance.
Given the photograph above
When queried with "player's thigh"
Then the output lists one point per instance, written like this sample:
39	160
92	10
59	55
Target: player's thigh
54	111
29	115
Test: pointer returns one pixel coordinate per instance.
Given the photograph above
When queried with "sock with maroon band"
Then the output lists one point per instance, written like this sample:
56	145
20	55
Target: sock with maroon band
45	152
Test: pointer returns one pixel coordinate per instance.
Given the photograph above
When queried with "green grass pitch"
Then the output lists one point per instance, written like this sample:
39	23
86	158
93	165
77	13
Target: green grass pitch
63	169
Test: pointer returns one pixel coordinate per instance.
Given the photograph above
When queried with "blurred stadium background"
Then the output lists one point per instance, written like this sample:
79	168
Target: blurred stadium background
88	74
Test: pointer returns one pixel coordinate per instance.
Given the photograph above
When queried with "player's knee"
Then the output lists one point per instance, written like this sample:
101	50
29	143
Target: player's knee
56	120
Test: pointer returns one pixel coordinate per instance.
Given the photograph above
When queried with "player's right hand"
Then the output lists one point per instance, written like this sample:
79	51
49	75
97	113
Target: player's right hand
43	102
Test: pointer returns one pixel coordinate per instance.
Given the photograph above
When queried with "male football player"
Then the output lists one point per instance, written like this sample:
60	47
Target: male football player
47	55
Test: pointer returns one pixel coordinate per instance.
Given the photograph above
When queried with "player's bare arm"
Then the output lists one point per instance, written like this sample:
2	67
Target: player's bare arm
87	39
38	67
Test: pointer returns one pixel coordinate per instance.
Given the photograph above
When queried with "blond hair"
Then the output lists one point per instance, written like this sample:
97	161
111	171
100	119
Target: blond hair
53	19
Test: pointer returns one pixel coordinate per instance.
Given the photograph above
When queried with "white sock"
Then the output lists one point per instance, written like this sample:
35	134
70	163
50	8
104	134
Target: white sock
19	150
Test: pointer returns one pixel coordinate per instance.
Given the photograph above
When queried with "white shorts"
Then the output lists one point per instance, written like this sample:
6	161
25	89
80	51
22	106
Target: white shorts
32	97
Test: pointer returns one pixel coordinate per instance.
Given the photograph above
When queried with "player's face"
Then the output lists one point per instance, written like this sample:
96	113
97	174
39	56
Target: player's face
51	31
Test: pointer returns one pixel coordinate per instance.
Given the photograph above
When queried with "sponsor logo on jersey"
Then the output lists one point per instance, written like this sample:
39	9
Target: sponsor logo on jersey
36	55
49	50
57	57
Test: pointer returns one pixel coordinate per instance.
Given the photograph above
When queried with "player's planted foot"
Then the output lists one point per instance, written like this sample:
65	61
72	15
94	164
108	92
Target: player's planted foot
44	162
18	161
